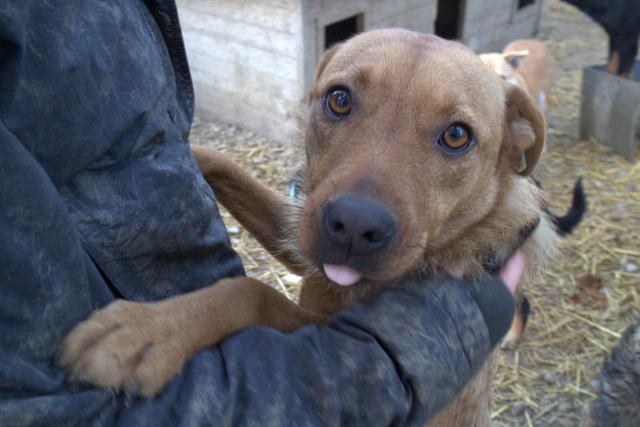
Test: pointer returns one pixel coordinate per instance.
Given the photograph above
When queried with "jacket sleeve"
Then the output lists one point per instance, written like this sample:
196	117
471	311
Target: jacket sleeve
394	360
47	284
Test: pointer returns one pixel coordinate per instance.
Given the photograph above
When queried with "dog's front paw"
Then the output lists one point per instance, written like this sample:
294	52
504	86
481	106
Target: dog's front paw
128	346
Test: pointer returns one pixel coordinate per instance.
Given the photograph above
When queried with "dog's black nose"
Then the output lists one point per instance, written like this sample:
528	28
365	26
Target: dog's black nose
358	225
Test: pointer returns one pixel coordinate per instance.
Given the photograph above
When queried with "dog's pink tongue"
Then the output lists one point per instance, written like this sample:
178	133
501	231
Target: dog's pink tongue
341	274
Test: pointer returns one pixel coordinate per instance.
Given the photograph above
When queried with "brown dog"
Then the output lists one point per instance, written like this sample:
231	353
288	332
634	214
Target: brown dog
418	157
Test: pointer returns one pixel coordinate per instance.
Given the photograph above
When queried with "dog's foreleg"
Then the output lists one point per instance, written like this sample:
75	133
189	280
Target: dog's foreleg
263	212
142	346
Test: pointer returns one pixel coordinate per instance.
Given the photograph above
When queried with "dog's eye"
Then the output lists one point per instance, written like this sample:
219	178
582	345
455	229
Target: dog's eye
338	102
456	138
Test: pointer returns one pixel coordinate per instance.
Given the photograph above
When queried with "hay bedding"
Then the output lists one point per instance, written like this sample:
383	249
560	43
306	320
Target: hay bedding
588	295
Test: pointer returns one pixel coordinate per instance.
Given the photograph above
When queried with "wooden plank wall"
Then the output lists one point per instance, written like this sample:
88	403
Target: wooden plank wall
252	61
246	61
415	15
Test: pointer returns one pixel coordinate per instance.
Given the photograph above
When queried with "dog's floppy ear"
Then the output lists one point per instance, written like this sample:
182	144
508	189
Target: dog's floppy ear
525	128
515	57
326	58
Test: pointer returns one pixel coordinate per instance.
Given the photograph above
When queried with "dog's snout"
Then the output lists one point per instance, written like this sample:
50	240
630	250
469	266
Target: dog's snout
358	225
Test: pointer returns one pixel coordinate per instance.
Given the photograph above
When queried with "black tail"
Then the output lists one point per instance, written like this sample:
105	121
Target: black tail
565	224
525	310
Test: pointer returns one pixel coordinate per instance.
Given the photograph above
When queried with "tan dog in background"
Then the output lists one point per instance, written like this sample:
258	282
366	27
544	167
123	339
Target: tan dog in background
418	159
527	64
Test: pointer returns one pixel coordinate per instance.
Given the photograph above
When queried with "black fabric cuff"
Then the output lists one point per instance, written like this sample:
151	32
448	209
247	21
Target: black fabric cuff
497	306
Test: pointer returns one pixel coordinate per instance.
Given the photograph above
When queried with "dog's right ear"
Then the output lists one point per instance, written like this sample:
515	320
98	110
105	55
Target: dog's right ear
525	129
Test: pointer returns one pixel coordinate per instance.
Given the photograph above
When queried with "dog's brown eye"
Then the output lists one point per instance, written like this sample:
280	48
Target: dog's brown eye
338	102
456	137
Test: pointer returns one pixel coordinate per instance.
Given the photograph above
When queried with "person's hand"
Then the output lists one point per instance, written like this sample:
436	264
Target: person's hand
511	273
495	298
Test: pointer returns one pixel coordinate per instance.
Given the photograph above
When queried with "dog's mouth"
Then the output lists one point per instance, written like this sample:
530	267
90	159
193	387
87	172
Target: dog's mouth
341	275
350	237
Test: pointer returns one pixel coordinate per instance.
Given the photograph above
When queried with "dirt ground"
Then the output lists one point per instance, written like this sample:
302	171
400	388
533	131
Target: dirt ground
549	379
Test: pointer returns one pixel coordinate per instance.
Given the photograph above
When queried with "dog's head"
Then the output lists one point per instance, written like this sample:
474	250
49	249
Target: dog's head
409	140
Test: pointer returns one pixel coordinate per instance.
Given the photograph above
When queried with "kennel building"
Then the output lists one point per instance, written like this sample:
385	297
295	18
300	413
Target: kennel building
252	61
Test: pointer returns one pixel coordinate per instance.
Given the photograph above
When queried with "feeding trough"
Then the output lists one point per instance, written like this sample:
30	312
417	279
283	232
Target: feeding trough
610	110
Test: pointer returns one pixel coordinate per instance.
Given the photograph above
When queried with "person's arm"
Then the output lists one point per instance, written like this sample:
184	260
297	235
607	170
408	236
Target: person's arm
396	359
382	361
47	284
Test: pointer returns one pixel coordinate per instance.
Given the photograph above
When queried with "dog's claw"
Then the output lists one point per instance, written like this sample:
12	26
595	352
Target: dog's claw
132	388
131	392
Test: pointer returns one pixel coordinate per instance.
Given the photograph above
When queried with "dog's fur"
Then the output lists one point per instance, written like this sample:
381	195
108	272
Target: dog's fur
452	212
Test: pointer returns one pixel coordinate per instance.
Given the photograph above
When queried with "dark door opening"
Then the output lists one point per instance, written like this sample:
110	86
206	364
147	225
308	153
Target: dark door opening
448	18
524	3
342	30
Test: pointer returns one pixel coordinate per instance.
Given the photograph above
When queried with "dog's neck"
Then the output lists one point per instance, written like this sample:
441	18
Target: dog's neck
518	210
497	260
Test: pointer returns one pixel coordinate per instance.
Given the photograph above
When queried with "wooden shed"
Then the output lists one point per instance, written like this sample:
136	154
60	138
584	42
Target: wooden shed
252	61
